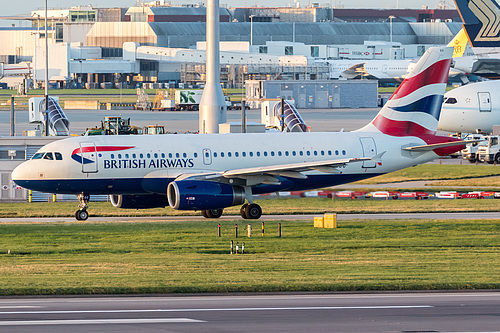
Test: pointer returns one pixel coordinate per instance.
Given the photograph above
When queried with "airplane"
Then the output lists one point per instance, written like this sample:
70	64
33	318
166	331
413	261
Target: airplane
481	19
209	172
472	108
382	70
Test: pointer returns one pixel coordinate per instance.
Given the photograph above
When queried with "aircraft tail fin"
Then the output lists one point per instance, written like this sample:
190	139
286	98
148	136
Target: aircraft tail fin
459	43
414	109
481	22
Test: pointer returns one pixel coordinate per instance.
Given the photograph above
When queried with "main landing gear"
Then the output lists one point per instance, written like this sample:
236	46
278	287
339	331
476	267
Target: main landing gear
82	214
248	211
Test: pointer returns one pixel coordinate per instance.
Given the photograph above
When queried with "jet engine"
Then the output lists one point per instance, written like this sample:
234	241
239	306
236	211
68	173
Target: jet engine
138	201
203	195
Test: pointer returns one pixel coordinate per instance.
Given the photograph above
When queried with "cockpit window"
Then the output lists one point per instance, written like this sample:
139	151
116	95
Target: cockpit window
37	156
58	156
48	156
451	100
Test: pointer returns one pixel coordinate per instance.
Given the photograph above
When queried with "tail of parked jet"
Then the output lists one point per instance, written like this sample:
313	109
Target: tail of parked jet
414	109
459	43
482	23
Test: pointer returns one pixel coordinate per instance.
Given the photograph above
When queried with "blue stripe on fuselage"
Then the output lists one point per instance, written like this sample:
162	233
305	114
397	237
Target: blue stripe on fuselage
159	185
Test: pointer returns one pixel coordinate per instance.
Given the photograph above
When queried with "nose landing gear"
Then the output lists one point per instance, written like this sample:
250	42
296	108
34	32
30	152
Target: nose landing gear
82	214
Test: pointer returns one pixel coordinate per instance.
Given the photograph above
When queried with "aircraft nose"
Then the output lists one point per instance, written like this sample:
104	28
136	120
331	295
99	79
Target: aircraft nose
21	172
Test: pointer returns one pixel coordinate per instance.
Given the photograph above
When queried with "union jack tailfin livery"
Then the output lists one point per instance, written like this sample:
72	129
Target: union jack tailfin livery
414	109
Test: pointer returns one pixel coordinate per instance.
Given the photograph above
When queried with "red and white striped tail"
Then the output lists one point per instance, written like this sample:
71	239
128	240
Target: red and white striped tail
414	109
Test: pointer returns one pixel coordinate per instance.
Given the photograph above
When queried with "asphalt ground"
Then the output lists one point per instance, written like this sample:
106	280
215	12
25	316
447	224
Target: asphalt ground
320	120
321	312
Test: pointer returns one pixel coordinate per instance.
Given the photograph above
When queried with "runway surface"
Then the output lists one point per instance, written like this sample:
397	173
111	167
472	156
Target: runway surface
307	217
384	312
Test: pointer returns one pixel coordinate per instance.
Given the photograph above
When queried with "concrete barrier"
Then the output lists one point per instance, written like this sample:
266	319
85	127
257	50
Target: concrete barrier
81	105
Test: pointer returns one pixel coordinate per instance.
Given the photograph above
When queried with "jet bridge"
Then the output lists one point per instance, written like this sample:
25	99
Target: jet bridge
58	122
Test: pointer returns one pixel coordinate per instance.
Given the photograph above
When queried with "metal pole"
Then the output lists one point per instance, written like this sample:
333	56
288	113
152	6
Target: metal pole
251	30
243	117
46	74
12	117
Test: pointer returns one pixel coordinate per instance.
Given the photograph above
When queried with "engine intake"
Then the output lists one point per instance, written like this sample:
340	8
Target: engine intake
138	201
203	195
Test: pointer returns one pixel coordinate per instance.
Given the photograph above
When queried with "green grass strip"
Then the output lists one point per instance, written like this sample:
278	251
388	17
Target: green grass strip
127	258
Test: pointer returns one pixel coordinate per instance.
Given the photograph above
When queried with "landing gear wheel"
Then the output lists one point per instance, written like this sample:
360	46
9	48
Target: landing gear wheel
253	212
242	211
81	215
214	213
204	214
497	158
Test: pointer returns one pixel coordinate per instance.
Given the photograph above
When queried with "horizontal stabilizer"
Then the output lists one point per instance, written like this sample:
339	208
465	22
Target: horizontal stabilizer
440	145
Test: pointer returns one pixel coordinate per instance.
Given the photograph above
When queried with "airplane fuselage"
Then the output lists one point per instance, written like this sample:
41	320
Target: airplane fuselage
146	164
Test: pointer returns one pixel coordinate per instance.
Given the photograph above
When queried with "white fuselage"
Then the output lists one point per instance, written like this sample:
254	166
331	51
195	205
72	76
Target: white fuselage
471	107
146	164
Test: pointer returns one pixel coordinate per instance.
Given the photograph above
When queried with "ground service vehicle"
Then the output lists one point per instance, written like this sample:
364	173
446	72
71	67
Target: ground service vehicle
489	151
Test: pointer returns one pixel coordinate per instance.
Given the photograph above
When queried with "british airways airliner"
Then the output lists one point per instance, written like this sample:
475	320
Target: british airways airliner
209	172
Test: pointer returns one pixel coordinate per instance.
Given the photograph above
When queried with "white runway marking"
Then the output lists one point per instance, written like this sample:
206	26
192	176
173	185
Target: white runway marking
226	309
99	321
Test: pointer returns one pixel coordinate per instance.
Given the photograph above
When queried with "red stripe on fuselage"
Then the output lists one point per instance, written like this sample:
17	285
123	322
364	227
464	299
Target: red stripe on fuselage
436	73
100	148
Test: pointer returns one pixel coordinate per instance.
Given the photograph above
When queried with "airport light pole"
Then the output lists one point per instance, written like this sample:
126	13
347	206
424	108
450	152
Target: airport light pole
390	19
251	29
46	75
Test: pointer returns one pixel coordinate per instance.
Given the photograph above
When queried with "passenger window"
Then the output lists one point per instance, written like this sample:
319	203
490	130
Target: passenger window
222	154
236	154
272	153
336	152
258	154
58	156
142	156
120	156
315	153
196	154
243	154
126	155
329	152
156	155
301	153
177	155
279	153
343	152
215	154
286	153
265	153
184	155
322	153
162	155
37	156
134	156
229	154
294	153
113	156
308	153
251	154
169	155
48	156
147	155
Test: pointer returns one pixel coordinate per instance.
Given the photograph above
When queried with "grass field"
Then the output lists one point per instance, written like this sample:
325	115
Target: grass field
436	172
93	258
276	206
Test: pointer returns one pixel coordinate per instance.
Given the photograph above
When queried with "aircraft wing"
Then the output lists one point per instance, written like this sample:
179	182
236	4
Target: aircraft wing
356	71
269	174
439	145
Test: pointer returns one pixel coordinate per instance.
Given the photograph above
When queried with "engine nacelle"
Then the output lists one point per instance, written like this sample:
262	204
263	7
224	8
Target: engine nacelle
137	201
203	195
